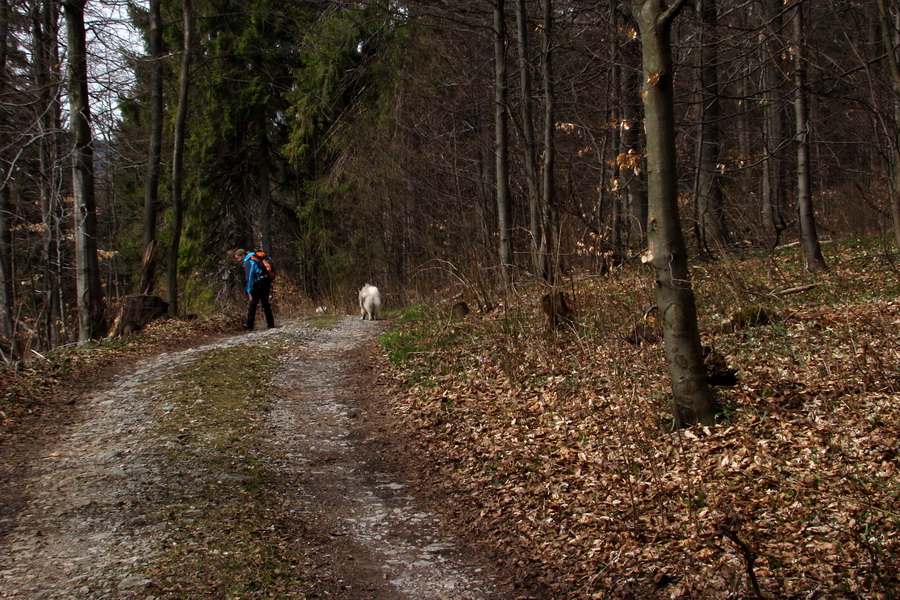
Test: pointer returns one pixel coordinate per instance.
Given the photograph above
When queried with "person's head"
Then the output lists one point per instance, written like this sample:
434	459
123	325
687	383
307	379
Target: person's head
240	254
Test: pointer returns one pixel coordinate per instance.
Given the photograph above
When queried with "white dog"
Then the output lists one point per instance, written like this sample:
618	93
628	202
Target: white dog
369	302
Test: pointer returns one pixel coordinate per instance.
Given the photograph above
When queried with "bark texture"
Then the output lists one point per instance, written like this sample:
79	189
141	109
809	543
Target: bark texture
90	294
693	400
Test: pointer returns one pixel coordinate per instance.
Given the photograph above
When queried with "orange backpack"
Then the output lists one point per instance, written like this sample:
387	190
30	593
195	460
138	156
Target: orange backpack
264	264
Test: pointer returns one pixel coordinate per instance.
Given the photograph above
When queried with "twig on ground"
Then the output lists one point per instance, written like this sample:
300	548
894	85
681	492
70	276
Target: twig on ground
728	530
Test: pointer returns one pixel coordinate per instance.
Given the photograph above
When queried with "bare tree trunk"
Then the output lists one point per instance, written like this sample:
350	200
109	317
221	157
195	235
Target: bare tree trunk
709	203
90	292
887	39
693	400
178	157
617	116
45	51
636	187
151	185
548	204
7	300
534	204
501	142
772	191
809	238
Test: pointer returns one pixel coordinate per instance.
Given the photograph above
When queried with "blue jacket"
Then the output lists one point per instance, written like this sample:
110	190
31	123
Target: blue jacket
251	272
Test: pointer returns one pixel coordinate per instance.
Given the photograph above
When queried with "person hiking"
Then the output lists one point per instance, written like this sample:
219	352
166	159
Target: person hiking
259	273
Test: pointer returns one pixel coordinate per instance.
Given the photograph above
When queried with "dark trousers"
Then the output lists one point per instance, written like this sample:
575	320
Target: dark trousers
261	291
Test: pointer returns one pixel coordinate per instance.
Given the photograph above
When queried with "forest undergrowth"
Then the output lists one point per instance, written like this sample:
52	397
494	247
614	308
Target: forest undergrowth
561	442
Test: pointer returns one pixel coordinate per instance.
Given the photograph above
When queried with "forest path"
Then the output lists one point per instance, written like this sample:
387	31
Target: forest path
82	520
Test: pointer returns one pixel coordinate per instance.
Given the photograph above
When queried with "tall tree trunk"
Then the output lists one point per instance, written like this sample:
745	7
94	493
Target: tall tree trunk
501	143
45	50
178	157
90	292
890	50
636	188
693	400
151	185
809	238
773	180
534	203
548	203
7	300
617	116
709	202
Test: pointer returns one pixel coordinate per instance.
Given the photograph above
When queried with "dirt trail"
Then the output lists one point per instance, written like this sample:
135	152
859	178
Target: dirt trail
389	545
80	529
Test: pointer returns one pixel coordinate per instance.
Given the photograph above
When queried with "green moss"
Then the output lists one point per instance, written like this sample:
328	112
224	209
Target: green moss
230	534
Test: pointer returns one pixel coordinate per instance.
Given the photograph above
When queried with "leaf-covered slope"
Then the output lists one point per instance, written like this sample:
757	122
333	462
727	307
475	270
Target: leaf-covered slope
561	445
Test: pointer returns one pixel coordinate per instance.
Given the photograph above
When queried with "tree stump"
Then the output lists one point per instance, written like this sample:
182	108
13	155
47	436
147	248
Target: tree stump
557	311
136	312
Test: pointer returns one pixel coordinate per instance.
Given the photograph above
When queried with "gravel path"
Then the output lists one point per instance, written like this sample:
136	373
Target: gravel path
81	530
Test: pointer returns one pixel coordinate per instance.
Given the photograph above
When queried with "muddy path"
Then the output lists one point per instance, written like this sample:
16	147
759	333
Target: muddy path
82	512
